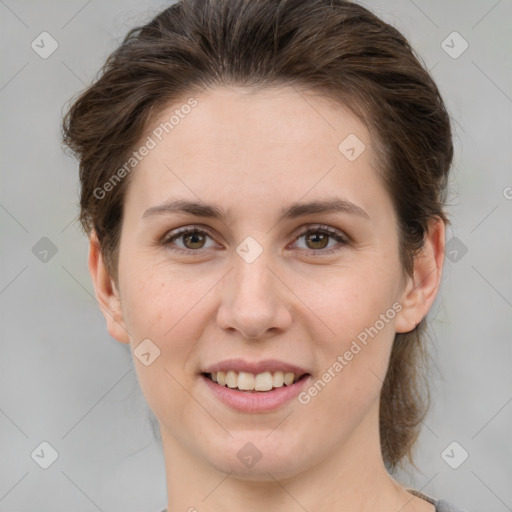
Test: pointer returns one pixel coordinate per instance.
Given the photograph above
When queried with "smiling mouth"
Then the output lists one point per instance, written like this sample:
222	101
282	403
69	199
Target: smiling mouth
263	382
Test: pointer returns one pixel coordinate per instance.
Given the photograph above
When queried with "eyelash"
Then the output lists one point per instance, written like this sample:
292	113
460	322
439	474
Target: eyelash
333	233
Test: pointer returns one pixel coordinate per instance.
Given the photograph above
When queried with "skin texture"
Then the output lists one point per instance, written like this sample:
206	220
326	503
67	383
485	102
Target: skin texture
251	153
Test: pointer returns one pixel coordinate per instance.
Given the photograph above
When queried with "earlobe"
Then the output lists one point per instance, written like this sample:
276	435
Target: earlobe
421	289
106	292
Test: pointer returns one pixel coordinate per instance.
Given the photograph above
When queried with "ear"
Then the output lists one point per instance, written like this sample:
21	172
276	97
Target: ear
421	289
106	292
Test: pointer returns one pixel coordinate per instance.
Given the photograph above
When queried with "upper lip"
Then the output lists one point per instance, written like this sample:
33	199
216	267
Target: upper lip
267	365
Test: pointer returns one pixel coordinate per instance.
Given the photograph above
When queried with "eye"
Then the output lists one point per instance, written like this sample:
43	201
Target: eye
317	237
192	237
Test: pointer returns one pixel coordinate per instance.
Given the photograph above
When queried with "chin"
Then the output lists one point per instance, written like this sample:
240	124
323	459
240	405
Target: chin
255	456
279	468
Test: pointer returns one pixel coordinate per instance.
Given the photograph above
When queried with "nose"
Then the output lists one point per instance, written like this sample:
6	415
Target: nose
254	300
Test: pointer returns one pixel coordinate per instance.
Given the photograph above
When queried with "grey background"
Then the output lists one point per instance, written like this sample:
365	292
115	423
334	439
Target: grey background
65	381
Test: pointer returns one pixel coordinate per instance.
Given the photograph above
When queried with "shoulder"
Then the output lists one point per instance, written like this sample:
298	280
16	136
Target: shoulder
441	505
444	506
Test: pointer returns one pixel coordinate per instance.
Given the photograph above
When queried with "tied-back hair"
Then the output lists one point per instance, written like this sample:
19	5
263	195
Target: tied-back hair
337	48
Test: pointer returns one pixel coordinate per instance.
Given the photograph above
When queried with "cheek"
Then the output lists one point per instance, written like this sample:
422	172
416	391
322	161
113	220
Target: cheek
158	300
350	378
359	310
169	311
351	300
163	311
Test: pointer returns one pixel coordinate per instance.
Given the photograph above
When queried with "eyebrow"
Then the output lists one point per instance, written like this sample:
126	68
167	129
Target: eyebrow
290	212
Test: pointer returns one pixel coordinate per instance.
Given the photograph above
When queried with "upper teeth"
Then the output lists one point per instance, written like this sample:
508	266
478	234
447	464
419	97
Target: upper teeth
253	382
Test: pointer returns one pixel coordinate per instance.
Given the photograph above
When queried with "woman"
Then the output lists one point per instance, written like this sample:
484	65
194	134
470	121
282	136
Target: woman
263	185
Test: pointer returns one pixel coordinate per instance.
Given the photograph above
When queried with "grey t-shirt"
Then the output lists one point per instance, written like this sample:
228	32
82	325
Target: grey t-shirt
441	505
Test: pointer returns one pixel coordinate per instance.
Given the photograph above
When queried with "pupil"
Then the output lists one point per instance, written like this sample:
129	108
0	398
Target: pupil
193	236
323	239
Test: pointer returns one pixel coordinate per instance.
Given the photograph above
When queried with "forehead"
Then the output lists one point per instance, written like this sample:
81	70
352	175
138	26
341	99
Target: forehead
280	117
237	143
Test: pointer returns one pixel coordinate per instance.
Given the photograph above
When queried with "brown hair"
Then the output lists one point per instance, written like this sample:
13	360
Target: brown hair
333	46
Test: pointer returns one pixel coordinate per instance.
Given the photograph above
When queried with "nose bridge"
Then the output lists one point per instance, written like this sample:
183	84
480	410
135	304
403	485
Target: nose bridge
252	301
251	275
253	279
254	286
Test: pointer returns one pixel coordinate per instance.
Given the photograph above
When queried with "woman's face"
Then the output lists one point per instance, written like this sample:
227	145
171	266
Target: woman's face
252	291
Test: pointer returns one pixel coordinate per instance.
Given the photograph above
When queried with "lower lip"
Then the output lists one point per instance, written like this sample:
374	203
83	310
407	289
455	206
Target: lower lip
256	401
